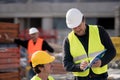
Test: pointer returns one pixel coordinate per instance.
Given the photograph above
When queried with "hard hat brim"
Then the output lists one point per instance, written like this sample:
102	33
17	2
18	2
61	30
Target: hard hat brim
74	25
33	32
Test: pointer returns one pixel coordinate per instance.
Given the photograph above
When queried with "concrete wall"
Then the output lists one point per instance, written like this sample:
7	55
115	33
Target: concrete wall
47	11
101	9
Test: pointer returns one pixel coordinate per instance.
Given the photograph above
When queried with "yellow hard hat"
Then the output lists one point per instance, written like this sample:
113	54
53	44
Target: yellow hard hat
41	57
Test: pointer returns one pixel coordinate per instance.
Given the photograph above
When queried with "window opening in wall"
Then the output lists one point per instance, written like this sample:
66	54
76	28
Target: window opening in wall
59	23
107	23
35	22
10	20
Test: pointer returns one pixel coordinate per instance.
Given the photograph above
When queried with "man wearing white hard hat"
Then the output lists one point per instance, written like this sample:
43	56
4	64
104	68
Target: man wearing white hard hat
82	44
34	44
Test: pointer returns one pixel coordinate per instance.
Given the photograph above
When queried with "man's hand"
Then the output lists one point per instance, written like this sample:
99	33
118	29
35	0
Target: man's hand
0	36
83	65
97	63
8	38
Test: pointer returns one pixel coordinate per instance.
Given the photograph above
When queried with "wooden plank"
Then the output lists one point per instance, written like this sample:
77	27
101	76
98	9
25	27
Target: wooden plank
8	50
9	70
9	55
9	60
12	26
9	66
10	76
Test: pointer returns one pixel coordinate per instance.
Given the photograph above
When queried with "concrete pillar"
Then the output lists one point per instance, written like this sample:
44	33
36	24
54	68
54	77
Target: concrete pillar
16	20
28	23
22	23
117	21
19	21
47	23
47	26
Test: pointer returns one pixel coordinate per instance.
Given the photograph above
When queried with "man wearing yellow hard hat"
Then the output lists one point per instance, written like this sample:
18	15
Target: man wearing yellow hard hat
41	62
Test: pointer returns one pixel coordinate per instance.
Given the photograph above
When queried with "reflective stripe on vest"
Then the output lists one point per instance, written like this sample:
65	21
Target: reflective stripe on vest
34	47
83	56
37	78
79	54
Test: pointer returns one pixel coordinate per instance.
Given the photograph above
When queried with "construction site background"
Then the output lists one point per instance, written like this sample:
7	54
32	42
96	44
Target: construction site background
14	59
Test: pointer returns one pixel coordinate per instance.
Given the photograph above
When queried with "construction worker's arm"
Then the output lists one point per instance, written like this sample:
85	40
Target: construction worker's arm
69	65
47	47
106	41
23	43
83	65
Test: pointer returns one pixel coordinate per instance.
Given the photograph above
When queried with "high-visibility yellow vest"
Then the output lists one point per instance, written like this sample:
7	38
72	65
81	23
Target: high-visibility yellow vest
79	54
34	47
37	78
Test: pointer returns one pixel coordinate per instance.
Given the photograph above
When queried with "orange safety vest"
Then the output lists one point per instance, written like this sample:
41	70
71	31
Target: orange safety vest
34	47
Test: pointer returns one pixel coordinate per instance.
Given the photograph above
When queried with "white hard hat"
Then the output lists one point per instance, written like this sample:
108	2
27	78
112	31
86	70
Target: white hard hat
33	30
73	18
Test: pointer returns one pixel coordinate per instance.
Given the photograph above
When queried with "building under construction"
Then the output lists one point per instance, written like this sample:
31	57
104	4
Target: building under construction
50	14
17	16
